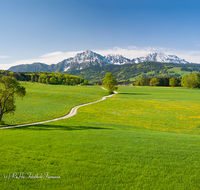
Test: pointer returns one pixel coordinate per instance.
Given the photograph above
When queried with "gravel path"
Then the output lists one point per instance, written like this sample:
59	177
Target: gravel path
72	113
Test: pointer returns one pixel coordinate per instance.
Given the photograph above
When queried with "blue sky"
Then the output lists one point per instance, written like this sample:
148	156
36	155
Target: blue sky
52	30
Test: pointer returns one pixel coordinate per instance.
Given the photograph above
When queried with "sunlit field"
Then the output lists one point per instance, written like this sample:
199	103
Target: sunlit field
141	138
157	108
44	102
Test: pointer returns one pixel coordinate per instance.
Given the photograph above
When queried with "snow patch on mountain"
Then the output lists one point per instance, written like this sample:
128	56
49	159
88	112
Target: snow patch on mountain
160	57
117	59
66	68
89	58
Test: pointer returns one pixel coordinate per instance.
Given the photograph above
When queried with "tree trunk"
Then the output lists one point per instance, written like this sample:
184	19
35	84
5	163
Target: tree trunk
1	115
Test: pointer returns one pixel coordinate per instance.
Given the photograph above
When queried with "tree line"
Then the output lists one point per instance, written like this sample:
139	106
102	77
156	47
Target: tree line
189	81
46	77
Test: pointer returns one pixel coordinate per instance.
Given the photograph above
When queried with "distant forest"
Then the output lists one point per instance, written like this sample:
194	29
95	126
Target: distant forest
142	74
132	72
45	77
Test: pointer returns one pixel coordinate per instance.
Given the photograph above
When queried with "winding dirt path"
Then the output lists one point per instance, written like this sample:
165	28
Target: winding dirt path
70	114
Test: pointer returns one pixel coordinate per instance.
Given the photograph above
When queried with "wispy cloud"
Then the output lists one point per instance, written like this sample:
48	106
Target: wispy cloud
49	58
129	52
3	57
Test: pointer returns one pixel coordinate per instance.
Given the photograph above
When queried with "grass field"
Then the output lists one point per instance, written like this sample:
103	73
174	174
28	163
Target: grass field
142	138
44	102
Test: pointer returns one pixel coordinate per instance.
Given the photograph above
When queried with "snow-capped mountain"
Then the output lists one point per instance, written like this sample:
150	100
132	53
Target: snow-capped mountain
117	59
160	57
83	60
89	58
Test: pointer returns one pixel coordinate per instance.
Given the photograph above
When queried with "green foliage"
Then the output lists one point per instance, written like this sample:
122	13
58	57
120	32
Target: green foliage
109	83
58	78
72	81
40	79
140	82
172	82
36	78
133	72
47	80
59	81
85	82
191	81
154	82
43	80
53	80
8	88
67	81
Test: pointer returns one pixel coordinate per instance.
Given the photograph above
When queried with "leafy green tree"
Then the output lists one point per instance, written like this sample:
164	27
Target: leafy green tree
154	82
40	80
184	81
85	82
77	80
43	80
109	83
32	78
53	80
72	81
172	82
47	80
191	81
59	81
81	80
67	81
140	82
8	88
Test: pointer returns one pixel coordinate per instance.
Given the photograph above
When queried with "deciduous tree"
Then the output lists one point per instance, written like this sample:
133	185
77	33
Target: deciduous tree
154	82
191	81
109	83
85	82
140	82
8	88
172	82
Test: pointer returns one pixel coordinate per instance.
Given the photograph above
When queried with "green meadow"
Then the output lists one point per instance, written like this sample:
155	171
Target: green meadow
141	138
43	102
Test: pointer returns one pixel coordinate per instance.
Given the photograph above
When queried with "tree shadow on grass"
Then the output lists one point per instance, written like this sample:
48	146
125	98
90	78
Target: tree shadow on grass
134	93
42	127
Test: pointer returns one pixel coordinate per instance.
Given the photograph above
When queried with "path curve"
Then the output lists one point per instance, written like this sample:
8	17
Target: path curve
70	114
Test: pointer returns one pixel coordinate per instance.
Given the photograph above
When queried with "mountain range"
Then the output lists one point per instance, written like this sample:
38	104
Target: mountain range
89	58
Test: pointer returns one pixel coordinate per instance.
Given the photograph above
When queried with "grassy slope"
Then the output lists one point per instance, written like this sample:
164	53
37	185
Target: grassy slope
178	71
134	71
43	102
107	145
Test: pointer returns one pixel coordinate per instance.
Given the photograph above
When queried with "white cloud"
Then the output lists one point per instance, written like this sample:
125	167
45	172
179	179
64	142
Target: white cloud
129	52
49	58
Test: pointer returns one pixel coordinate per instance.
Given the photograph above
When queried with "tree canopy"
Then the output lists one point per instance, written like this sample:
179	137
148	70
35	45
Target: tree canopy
172	82
191	81
109	83
8	88
154	82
